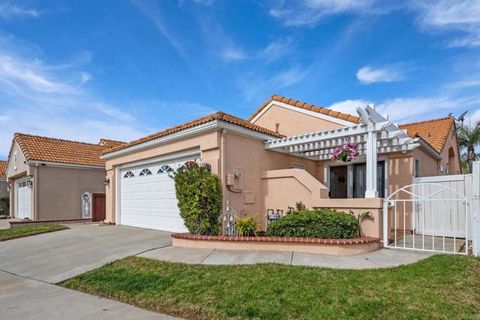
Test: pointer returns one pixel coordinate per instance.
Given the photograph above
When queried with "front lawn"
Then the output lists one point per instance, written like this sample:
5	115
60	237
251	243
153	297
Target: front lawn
445	287
30	230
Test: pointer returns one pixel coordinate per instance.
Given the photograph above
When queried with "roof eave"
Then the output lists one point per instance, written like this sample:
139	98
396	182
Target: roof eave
189	132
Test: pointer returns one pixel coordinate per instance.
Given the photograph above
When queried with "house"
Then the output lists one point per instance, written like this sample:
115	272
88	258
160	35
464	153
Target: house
279	156
55	179
3	189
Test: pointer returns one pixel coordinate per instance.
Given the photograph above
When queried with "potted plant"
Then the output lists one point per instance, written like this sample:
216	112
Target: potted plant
346	152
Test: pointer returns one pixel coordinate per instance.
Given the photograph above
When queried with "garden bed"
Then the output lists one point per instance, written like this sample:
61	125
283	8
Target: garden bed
338	247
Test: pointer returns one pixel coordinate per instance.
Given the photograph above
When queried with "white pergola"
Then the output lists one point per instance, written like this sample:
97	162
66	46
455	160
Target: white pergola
375	135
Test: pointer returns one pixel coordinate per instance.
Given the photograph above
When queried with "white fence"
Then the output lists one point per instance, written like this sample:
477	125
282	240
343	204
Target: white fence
439	214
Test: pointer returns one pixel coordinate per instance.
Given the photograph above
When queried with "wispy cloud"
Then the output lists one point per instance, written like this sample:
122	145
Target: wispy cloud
408	109
255	86
8	11
311	12
151	10
349	106
276	49
204	2
52	100
232	53
369	75
461	16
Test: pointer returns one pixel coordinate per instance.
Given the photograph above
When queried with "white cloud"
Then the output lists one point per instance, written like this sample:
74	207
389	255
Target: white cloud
461	16
152	11
204	2
408	109
51	100
276	49
368	75
349	106
311	12
254	85
8	11
232	53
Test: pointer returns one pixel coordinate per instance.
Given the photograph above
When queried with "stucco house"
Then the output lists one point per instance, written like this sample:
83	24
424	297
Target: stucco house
3	189
279	156
55	179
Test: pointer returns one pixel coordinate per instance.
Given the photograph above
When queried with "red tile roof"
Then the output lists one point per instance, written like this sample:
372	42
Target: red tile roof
38	148
110	143
435	132
306	106
215	116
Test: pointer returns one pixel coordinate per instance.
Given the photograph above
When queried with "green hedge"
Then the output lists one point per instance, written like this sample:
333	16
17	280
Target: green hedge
324	224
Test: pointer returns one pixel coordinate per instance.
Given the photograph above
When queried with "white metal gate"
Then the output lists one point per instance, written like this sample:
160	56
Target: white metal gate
428	216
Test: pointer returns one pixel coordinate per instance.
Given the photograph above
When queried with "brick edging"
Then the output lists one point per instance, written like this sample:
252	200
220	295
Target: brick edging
366	240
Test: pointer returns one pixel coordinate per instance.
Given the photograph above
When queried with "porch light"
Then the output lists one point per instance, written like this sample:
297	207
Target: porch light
106	182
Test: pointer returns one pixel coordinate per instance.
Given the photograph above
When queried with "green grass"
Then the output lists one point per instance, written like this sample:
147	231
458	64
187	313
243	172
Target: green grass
440	287
20	232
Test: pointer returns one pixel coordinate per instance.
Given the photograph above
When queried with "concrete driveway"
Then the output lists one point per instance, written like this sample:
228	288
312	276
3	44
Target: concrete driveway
29	268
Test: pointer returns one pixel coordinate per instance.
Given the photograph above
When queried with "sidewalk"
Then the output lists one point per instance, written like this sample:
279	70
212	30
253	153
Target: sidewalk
383	258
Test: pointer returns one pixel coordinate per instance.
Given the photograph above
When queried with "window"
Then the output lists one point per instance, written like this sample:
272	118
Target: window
165	169
129	174
416	169
145	172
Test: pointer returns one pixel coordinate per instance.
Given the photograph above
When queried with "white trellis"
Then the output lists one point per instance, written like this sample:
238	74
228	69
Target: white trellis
375	135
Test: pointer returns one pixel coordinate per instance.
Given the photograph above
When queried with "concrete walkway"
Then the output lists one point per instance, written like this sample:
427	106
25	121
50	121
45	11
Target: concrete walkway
383	258
28	299
29	268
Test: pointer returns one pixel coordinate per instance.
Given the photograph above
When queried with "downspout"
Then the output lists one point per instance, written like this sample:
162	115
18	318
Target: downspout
35	193
223	169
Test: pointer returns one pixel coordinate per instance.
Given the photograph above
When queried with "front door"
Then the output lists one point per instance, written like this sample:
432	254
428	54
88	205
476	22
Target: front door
98	205
338	182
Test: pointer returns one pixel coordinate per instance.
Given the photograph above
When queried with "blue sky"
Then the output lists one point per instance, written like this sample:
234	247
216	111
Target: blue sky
120	69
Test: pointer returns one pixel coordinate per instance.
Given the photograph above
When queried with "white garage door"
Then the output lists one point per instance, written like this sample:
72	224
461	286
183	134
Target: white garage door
24	200
147	197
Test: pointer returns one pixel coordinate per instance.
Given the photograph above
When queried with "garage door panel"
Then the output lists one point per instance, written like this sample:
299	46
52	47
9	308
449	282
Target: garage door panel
149	201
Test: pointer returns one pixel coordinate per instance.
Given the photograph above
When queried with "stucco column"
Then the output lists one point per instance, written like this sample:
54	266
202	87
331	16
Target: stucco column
371	153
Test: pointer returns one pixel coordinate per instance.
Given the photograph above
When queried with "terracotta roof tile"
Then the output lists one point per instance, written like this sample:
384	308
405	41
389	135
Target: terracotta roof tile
434	132
212	117
110	143
3	168
38	148
306	106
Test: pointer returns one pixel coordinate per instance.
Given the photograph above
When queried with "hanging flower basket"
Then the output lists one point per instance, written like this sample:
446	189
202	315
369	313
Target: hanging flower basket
346	152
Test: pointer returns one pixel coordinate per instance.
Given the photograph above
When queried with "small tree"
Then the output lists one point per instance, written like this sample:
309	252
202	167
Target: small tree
468	138
199	198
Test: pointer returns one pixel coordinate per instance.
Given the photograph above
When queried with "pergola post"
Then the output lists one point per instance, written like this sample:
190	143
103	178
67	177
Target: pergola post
371	162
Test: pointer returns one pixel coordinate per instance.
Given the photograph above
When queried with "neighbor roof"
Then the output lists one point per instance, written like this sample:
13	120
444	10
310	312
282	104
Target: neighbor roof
435	132
3	168
306	106
222	116
38	148
110	143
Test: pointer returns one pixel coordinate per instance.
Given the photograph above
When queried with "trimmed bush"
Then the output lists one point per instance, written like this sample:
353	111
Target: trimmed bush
199	198
246	226
324	224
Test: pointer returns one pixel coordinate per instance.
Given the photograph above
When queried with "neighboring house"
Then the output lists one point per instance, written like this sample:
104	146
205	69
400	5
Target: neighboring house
3	188
279	156
54	179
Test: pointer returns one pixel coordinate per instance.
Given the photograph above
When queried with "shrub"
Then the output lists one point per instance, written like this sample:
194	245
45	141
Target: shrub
199	198
324	223
246	226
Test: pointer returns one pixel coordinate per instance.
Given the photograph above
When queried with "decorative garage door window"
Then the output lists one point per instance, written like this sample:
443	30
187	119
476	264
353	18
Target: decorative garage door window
129	174
165	169
87	205
145	172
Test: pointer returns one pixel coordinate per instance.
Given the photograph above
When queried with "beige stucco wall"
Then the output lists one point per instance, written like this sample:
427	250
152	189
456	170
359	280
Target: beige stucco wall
293	123
60	191
452	164
208	144
250	157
